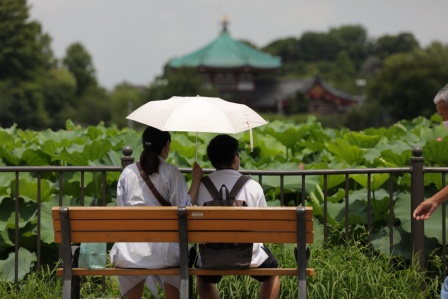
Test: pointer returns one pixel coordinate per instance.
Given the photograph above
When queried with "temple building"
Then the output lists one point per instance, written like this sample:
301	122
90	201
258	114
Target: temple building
246	75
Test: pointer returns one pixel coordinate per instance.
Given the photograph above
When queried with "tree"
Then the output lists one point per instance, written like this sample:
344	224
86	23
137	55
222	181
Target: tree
315	46
286	48
343	73
25	57
59	91
180	82
22	103
93	107
353	39
79	62
24	48
407	84
124	99
388	45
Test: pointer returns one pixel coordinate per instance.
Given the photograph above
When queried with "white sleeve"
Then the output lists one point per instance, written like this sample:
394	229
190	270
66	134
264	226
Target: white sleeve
121	188
178	190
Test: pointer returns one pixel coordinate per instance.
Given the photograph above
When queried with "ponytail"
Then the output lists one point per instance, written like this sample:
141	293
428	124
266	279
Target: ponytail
153	141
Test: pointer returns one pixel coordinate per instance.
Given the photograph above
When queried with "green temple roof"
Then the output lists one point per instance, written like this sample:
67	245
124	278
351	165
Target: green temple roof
226	52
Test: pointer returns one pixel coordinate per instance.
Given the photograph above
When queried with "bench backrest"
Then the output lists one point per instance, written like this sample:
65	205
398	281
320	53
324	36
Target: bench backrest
205	224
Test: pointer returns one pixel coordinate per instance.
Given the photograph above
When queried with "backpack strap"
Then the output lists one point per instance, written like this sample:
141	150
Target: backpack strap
210	187
242	180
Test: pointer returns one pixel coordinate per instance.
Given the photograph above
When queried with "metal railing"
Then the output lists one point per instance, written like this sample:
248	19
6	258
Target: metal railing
416	170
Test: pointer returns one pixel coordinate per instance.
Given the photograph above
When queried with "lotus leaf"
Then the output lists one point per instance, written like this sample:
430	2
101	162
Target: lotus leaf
349	153
26	260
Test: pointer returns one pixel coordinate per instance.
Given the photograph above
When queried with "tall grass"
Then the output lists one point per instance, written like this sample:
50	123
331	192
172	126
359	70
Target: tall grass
342	272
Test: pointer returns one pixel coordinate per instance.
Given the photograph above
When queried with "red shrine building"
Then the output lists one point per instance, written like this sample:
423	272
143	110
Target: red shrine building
243	74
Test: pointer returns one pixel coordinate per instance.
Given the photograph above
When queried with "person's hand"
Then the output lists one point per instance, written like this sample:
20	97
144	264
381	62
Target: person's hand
425	209
196	172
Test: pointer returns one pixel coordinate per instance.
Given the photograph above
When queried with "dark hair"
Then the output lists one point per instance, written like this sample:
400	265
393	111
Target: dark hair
221	150
153	141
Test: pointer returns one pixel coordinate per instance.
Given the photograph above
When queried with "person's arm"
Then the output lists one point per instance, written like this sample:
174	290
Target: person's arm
427	207
196	182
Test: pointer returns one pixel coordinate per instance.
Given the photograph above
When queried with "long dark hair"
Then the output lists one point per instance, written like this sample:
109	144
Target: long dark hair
153	141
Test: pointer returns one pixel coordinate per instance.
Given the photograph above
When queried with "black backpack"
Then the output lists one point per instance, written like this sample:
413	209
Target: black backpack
225	255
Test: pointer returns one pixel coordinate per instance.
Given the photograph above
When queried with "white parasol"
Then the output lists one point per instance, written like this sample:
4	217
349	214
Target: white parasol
198	114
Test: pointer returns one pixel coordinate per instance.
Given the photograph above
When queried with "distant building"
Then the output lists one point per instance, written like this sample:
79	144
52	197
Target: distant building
278	95
238	71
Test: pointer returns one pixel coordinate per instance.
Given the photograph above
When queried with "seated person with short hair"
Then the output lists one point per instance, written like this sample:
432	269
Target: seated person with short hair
223	154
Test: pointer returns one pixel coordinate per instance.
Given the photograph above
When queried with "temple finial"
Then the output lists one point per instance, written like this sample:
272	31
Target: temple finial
224	23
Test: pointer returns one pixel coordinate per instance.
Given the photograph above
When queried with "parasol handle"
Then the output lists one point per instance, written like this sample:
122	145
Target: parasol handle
251	138
196	157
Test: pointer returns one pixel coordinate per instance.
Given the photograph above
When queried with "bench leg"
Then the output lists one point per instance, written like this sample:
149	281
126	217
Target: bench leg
301	253
66	252
76	280
183	247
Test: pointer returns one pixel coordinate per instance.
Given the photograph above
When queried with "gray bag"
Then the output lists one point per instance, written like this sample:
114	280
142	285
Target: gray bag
92	255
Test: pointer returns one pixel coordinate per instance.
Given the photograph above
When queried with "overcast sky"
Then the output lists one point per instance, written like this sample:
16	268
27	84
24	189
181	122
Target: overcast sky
131	40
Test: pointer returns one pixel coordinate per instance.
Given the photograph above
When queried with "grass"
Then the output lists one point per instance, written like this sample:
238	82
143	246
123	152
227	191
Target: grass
342	272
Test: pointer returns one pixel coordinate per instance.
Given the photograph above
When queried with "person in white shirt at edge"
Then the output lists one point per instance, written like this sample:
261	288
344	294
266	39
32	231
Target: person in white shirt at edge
133	191
427	207
222	152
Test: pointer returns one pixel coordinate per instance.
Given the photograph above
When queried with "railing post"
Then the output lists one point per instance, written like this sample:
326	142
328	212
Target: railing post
417	196
126	159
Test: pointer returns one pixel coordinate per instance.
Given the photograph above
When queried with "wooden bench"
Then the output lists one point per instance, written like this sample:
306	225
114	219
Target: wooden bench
183	225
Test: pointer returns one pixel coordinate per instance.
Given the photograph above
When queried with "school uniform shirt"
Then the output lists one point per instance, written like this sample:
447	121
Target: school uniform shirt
251	193
132	190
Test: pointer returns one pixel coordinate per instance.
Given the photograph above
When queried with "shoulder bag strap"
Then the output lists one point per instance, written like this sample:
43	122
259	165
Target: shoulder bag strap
242	180
156	193
210	187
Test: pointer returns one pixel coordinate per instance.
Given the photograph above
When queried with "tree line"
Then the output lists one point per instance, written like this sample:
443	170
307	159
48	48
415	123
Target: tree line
396	76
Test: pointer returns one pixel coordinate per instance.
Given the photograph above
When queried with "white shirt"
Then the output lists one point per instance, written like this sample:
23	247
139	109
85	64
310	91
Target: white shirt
133	191
251	192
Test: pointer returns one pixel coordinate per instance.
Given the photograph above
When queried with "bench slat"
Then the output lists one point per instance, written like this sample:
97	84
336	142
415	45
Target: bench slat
115	213
119	225
246	225
193	225
254	272
112	237
173	236
141	212
192	271
264	213
246	237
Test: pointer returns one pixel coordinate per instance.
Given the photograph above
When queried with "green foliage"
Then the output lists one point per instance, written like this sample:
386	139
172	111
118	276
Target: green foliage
355	42
124	99
388	45
280	145
78	61
59	92
23	102
25	57
287	49
349	270
184	81
24	49
26	261
407	83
